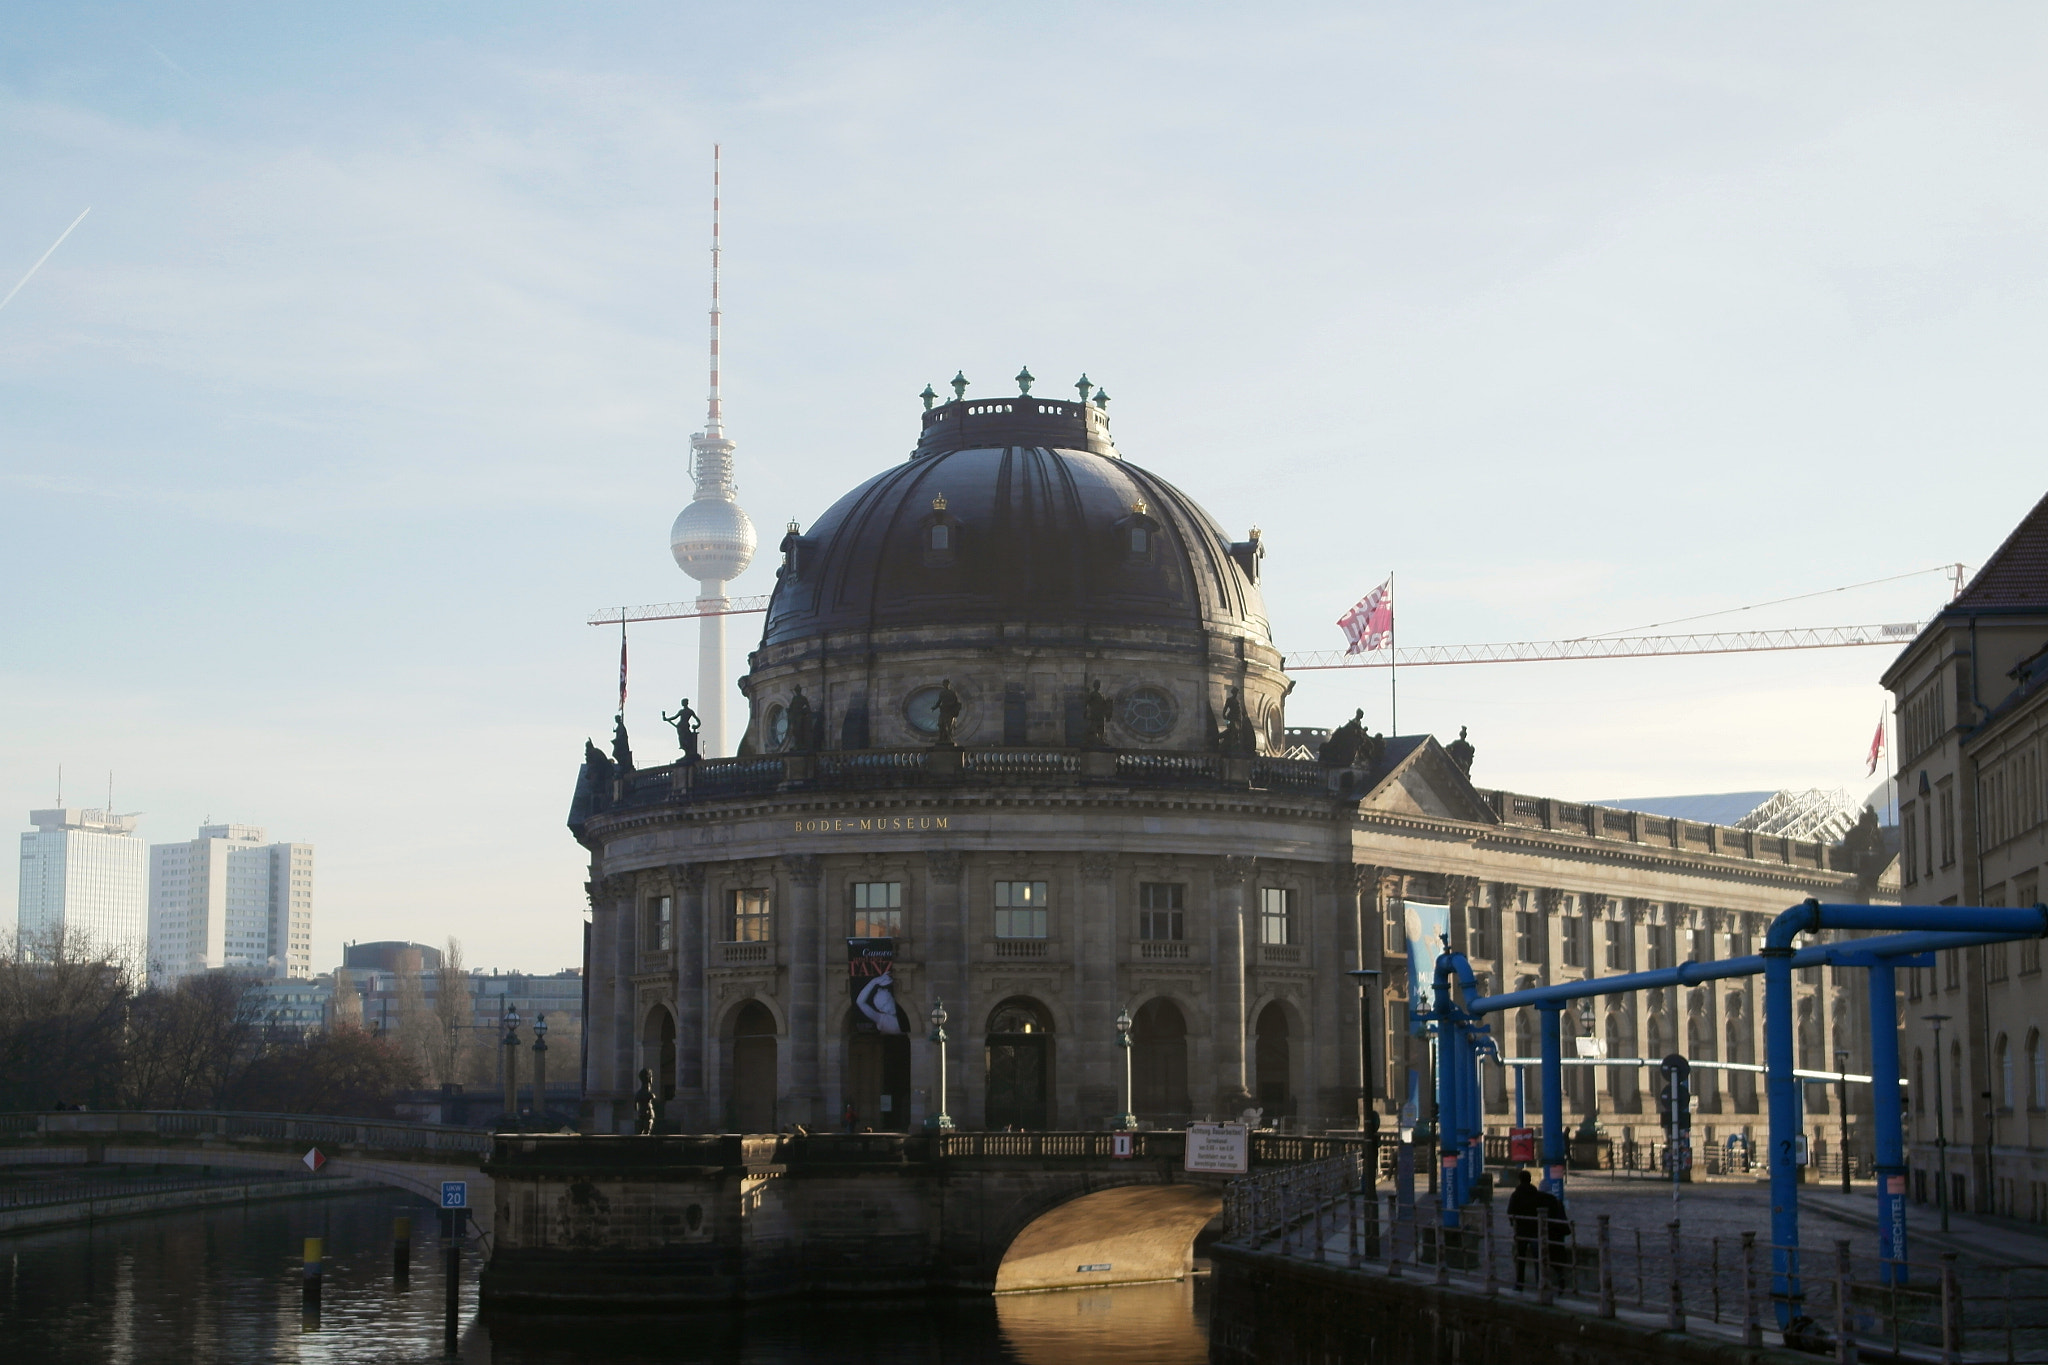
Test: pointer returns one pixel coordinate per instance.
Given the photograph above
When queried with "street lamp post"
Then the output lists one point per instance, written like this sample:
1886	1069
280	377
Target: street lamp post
1842	1104
540	1069
1126	1120
512	1064
941	1122
1940	1121
1368	979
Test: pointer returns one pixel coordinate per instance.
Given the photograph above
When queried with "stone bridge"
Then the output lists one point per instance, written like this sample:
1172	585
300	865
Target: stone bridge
673	1221
409	1156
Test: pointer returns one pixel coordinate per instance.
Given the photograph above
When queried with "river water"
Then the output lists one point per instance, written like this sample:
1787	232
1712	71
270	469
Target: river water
223	1286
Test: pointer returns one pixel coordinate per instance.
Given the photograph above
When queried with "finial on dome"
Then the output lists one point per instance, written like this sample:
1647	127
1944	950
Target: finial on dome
929	397
939	503
1139	508
1025	379
959	385
793	528
1102	399
1084	387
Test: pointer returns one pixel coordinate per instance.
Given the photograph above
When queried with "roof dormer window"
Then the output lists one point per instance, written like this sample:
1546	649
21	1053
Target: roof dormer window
1139	533
940	532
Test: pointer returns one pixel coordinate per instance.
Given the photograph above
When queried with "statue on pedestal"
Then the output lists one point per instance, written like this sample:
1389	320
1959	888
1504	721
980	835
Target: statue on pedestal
802	738
622	752
643	1105
687	724
1236	739
1347	746
949	711
1096	710
1461	752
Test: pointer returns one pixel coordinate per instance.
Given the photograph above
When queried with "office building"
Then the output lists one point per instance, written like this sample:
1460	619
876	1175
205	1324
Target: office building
229	899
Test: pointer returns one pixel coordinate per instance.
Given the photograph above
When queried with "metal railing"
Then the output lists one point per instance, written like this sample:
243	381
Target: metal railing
26	1194
1659	1277
180	1124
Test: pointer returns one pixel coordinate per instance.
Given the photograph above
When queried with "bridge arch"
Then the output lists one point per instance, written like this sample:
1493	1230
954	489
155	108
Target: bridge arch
1116	1231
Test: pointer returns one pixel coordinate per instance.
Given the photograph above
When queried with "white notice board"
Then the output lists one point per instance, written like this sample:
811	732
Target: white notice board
1223	1148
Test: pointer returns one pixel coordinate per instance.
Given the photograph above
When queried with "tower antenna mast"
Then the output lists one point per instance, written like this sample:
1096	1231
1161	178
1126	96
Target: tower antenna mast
714	422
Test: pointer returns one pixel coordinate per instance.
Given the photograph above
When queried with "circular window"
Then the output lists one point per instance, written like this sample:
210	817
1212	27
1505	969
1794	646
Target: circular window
1148	712
776	727
921	709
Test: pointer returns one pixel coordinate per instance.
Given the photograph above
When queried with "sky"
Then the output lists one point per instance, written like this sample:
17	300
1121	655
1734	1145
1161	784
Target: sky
370	374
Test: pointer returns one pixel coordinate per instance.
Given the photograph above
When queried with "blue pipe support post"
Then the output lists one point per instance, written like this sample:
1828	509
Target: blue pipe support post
1890	1147
1786	1119
1547	1012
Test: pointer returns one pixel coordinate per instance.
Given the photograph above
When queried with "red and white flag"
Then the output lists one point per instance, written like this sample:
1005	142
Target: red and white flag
622	668
1370	624
1876	747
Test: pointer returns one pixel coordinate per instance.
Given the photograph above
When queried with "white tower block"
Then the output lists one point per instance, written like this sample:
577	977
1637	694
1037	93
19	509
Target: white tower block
712	540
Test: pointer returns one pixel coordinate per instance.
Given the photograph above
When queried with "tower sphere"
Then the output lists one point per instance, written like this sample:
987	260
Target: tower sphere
712	540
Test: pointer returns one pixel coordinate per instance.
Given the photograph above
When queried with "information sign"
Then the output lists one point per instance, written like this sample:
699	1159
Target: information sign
455	1194
1221	1148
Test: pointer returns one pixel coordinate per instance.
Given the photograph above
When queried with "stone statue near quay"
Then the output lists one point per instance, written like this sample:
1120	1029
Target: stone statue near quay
800	737
1095	711
687	724
949	711
643	1105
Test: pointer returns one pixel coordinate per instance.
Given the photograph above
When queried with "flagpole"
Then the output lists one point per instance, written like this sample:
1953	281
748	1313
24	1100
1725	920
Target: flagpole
1393	661
1890	762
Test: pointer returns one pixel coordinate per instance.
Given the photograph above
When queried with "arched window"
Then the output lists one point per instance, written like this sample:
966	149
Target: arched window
1275	1063
2003	1051
1159	1062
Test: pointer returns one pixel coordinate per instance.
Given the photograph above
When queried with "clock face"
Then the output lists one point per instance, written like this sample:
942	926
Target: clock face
921	709
777	726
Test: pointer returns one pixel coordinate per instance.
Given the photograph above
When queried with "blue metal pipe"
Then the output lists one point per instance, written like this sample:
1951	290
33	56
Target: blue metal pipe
1553	1095
1890	1146
1810	916
1787	1126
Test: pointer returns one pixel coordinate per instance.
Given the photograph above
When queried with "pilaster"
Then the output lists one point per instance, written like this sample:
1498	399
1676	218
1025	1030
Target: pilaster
1233	871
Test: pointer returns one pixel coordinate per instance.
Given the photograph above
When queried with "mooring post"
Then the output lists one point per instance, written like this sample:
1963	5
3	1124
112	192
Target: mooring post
312	1270
1606	1270
1752	1328
1675	1316
1845	1345
453	1305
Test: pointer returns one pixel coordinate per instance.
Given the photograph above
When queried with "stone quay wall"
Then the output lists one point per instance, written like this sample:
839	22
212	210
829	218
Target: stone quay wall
1272	1310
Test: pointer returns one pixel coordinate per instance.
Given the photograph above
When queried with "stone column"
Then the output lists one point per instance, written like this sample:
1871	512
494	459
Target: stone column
800	1099
1097	1085
693	1110
1233	871
1360	948
620	892
945	935
599	1026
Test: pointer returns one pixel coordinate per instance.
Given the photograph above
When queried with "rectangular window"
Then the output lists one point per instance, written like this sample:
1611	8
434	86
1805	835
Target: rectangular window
1276	915
1738	945
1160	910
1655	954
746	916
1912	983
660	924
1909	845
1996	962
1020	909
877	910
1952	969
1478	928
1528	930
1699	945
1948	825
1571	941
1618	945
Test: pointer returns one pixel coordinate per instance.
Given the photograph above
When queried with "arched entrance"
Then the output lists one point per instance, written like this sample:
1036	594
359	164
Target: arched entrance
753	1069
658	1050
877	1075
1159	1063
1273	1058
1019	1067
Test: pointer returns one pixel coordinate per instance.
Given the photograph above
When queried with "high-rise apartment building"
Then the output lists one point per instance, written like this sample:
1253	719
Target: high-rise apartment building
84	872
228	899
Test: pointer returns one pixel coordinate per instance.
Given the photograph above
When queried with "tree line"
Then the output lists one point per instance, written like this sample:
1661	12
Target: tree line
80	1026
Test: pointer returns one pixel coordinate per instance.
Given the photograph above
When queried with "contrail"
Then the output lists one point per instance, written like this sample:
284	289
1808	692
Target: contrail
44	257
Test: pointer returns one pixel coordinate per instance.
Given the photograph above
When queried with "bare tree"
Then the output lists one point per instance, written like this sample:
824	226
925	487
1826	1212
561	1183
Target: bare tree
63	1007
188	1041
348	1001
454	1011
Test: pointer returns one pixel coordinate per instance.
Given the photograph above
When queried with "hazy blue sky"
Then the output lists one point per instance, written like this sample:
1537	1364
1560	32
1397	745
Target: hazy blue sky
371	372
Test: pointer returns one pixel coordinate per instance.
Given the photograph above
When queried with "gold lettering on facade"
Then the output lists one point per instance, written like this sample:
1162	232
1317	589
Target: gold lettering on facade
879	824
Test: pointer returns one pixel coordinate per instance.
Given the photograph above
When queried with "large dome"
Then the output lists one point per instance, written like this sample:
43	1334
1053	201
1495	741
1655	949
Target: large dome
1015	511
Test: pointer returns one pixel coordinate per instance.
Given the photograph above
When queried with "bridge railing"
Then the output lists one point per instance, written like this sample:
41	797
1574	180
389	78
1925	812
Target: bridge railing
1267	1149
183	1124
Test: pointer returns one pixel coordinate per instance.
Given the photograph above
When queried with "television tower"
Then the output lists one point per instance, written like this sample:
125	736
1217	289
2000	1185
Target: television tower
712	539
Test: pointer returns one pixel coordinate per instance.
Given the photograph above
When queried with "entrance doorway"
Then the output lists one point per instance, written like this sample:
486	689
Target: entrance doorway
1159	1063
1273	1058
877	1077
753	1069
1019	1073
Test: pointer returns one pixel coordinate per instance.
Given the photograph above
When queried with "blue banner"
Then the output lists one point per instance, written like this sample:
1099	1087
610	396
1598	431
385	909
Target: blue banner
1428	927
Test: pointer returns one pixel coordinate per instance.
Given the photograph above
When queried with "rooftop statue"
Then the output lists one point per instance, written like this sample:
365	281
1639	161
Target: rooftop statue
1236	739
949	711
800	738
1347	745
1461	751
622	752
687	724
1095	710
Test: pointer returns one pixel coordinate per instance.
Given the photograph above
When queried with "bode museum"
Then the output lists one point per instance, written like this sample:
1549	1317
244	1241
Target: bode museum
1017	741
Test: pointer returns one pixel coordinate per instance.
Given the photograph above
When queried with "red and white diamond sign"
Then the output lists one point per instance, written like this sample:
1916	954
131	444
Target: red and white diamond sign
314	1160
